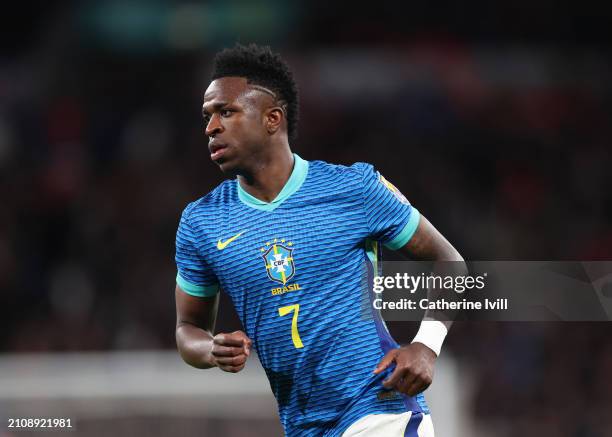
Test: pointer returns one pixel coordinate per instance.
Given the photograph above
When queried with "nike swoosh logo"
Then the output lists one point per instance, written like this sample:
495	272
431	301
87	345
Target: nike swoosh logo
223	244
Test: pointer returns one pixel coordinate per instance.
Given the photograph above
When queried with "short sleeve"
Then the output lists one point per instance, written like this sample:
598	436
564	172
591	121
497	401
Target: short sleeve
392	220
194	276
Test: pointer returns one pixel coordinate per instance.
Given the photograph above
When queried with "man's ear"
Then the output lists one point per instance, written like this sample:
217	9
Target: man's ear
274	119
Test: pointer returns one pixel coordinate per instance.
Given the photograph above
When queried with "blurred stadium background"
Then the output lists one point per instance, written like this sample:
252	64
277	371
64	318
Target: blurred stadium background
493	118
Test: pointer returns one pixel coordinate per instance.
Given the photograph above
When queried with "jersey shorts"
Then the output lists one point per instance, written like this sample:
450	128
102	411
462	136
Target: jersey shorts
392	425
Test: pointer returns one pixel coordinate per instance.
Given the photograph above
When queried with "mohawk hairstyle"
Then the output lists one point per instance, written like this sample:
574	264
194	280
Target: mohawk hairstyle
260	66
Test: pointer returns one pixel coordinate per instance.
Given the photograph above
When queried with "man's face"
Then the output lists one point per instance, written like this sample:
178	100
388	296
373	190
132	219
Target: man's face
234	113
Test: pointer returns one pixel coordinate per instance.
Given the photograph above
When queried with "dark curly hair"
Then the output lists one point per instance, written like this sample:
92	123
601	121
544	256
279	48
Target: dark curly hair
260	66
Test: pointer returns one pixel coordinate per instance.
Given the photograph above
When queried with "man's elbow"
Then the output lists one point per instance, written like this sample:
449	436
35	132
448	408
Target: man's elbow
449	253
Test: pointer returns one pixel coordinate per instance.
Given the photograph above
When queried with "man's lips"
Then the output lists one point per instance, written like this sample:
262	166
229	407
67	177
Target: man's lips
216	150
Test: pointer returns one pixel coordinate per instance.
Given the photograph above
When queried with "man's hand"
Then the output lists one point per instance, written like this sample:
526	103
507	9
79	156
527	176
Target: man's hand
414	366
230	351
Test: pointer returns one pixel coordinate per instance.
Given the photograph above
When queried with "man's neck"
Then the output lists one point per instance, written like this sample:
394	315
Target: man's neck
269	177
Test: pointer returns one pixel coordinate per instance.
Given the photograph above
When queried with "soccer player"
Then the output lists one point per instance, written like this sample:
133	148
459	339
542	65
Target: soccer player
292	242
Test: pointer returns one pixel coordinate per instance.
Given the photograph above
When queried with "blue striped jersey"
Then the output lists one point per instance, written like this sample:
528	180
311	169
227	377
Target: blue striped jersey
299	272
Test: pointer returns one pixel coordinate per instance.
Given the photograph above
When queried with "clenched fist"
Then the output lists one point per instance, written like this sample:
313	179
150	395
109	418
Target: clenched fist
414	366
230	351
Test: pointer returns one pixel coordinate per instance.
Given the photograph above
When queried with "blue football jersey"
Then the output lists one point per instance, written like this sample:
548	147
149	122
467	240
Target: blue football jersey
299	271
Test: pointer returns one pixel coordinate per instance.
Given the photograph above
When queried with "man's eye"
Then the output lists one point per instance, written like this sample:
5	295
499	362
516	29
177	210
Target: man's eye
226	112
206	119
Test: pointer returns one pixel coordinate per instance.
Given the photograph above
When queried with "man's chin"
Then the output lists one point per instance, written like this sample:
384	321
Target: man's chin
227	167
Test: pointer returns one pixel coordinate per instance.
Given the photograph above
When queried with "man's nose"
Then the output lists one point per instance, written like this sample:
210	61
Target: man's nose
214	126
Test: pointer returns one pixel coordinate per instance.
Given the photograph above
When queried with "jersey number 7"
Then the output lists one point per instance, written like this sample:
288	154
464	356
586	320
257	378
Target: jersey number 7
295	335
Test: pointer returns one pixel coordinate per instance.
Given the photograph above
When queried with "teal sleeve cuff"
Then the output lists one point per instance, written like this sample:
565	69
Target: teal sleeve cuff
197	290
406	234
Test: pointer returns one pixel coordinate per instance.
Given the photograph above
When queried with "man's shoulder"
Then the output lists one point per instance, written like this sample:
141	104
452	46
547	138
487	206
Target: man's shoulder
340	172
210	202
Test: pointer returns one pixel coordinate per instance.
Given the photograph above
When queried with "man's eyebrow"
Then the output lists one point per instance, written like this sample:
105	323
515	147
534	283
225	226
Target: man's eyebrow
215	106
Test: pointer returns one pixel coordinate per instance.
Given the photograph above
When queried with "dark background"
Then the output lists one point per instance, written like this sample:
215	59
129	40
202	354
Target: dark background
492	118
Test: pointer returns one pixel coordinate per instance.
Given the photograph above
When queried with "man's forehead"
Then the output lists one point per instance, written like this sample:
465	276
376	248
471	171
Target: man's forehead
226	87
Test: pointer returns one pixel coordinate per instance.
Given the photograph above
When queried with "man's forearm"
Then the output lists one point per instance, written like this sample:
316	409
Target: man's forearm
449	262
429	245
195	346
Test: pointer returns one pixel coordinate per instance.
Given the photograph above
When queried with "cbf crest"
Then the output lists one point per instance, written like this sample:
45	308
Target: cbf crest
397	193
278	257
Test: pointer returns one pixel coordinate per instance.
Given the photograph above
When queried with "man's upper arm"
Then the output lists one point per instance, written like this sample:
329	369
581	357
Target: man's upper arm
427	243
197	288
194	276
195	310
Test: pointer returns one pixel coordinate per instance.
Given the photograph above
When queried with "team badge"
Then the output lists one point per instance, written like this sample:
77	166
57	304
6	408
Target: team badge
278	257
397	193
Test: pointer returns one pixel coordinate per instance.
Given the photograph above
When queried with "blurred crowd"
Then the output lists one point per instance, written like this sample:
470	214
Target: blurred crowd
505	148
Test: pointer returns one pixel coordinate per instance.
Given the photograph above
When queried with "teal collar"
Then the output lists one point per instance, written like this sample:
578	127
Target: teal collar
295	181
